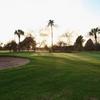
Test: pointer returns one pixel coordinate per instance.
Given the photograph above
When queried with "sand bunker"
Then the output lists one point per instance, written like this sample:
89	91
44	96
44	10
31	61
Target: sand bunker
10	62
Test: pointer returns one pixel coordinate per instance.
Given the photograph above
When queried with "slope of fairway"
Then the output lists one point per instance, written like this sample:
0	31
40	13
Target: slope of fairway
52	76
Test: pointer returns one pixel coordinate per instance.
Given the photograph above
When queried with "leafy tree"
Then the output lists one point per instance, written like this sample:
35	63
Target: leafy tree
68	36
12	46
51	24
89	46
61	44
97	47
46	47
19	33
79	43
28	43
94	33
1	47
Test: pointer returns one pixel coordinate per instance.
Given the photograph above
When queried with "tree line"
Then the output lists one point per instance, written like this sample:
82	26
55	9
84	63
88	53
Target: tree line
30	44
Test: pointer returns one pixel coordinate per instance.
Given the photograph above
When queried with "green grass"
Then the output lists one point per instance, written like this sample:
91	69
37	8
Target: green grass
53	76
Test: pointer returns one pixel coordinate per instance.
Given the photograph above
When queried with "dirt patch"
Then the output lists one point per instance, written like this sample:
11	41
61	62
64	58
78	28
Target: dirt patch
9	62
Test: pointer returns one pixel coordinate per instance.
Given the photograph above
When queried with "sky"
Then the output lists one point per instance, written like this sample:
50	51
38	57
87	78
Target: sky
77	16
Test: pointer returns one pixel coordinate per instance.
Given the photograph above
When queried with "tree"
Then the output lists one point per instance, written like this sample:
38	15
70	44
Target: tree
1	47
89	46
94	33
79	43
61	44
97	47
19	33
12	46
51	24
28	43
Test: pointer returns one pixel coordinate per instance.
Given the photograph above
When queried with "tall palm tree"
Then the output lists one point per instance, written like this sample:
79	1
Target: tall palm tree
19	33
51	24
94	32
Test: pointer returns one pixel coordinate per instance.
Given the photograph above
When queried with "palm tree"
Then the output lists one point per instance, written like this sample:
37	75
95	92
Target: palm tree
94	32
79	43
51	24
19	33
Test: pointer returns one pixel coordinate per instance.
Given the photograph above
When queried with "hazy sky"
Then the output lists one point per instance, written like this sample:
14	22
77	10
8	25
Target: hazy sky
32	15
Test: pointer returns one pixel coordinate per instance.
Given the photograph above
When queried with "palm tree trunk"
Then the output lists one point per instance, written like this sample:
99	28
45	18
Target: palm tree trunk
95	38
52	38
19	45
